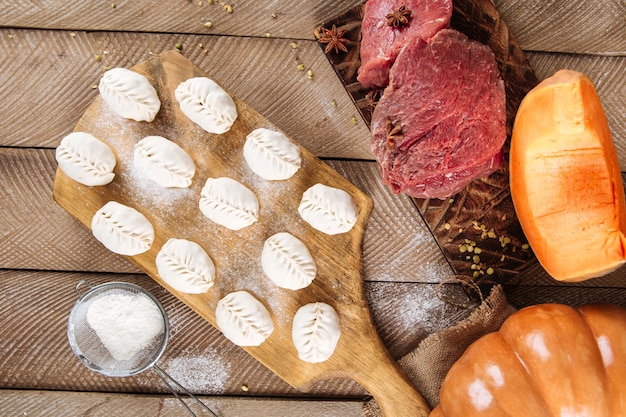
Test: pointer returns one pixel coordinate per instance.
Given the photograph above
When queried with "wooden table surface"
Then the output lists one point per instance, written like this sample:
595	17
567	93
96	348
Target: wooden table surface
53	53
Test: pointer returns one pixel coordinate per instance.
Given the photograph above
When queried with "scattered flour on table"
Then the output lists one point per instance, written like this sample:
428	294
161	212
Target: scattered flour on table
414	312
200	373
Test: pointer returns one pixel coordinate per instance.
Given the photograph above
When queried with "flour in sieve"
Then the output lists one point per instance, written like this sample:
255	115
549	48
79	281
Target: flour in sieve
125	323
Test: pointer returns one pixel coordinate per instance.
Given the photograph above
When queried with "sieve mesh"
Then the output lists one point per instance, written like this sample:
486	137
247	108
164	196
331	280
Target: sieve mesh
87	345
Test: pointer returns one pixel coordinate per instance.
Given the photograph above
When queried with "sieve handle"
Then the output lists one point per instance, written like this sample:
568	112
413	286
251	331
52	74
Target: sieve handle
169	381
79	285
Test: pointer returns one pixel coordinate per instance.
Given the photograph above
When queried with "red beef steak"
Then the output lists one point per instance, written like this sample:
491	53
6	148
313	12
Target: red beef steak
381	43
441	120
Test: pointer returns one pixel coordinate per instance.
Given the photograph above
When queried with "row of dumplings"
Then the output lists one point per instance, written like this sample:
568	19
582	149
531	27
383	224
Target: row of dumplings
186	267
183	264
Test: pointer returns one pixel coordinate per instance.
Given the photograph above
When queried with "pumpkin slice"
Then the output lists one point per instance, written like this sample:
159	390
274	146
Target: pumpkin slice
565	179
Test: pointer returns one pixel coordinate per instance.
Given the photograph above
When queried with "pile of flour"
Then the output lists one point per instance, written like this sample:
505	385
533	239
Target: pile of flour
125	323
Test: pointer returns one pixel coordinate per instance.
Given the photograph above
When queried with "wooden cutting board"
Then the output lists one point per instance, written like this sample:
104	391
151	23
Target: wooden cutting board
482	215
360	354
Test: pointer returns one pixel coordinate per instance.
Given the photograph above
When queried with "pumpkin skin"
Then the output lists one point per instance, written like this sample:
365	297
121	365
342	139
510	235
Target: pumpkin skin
548	360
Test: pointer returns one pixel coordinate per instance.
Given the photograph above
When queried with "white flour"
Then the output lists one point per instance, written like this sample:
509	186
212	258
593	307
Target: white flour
126	324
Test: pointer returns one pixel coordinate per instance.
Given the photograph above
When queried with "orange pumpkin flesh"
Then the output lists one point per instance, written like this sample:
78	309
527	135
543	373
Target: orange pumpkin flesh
546	360
565	179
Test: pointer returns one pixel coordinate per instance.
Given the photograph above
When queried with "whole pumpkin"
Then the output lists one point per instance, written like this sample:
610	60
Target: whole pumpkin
548	360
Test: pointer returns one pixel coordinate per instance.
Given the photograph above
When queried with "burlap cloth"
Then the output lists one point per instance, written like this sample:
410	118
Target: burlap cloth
428	364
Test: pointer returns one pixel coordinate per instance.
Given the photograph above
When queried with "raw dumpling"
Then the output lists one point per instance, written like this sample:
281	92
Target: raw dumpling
287	261
315	332
185	266
86	159
243	319
129	94
271	155
229	203
163	162
122	229
206	104
327	209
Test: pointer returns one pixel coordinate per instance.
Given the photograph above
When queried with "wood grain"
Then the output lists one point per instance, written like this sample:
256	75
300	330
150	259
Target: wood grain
42	71
360	353
39	234
598	24
96	404
197	354
54	74
582	27
47	70
293	19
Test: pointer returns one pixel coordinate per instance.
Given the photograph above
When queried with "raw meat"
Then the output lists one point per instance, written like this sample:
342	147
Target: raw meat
448	99
381	43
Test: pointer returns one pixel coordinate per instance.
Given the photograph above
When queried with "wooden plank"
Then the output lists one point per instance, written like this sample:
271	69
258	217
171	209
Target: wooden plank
586	26
53	73
96	404
294	19
359	354
526	295
36	354
44	71
39	234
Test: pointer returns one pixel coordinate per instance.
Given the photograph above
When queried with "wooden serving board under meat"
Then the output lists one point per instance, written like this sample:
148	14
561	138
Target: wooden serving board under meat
482	215
360	354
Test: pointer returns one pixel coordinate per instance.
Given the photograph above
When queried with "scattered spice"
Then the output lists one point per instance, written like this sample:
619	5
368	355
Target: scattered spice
245	388
353	120
334	103
300	67
399	17
372	98
293	45
394	132
309	74
333	39
179	46
228	8
268	35
98	58
208	24
113	5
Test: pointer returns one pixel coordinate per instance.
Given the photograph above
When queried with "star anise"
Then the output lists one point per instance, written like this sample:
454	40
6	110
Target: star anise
333	39
394	132
372	98
399	17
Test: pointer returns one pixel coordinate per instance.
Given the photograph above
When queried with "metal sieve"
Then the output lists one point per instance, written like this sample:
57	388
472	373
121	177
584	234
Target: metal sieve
88	347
